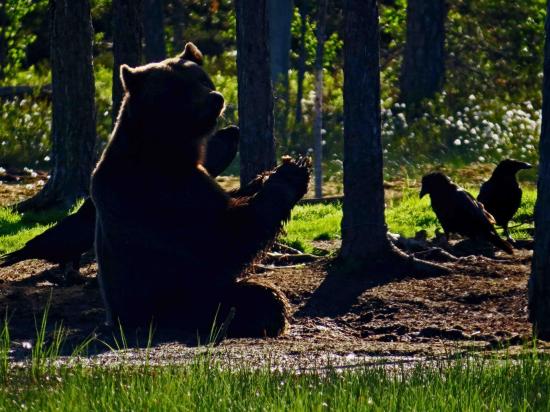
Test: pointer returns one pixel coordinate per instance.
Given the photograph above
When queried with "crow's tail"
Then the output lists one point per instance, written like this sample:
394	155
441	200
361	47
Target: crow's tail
11	258
502	244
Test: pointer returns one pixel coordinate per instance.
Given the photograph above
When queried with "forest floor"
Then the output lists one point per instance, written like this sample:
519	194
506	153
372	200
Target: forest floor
481	305
336	320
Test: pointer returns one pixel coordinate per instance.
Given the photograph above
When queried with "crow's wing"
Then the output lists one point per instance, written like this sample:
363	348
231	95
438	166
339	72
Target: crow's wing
221	150
473	210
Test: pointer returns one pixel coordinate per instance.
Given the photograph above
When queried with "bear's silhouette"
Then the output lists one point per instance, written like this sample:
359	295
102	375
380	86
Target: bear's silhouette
170	242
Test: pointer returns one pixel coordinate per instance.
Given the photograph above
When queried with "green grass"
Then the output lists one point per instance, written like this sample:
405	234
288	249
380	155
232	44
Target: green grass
16	229
406	216
472	384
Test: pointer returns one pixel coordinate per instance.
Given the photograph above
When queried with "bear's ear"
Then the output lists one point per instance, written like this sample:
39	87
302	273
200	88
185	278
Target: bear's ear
192	53
131	78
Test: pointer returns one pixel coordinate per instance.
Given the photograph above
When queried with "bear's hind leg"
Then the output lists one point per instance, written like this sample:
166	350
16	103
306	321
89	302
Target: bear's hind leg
260	310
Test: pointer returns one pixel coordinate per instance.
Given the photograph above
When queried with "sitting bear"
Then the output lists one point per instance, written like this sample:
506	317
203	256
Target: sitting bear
170	242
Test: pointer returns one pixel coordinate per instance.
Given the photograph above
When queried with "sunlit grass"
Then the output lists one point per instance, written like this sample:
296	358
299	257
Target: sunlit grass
405	215
16	229
205	385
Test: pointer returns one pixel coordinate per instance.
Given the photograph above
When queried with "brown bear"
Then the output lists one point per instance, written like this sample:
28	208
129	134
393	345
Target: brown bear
170	242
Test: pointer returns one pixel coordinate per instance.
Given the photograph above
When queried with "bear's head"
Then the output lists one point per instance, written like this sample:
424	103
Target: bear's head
172	103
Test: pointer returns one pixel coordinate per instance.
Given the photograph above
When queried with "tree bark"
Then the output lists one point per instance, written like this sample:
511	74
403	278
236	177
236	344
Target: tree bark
423	69
73	107
539	283
318	104
257	146
301	66
280	17
365	244
363	226
178	24
153	31
127	36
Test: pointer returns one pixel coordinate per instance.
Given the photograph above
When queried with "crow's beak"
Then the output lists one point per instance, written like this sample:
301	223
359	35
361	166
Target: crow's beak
423	193
524	165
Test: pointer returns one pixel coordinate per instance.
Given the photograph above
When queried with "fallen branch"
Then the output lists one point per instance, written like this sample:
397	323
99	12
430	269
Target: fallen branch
283	259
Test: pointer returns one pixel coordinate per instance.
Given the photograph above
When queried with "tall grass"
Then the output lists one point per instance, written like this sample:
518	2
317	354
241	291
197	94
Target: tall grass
205	384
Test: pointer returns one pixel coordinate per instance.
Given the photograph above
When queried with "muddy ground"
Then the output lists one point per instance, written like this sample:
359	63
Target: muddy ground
336	319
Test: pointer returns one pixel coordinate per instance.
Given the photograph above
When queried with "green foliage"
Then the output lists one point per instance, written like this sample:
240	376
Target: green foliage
490	108
333	44
495	49
25	132
482	130
25	126
14	34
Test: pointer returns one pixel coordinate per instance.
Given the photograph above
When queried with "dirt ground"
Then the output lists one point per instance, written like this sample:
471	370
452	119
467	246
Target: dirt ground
338	320
481	305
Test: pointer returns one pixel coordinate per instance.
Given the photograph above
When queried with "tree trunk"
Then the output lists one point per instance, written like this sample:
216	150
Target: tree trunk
178	24
153	31
280	17
364	232
539	284
423	69
73	107
127	35
257	146
365	243
301	66
318	115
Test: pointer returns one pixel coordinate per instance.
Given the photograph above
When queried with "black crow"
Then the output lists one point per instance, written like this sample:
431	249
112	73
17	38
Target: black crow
62	243
501	194
459	212
221	150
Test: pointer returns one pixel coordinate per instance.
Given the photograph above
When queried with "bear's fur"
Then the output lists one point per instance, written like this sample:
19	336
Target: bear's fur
170	242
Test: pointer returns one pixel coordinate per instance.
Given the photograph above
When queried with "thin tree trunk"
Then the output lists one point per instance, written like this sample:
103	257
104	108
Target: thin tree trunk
73	107
318	116
301	66
539	284
364	234
127	35
280	17
153	31
423	69
257	147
